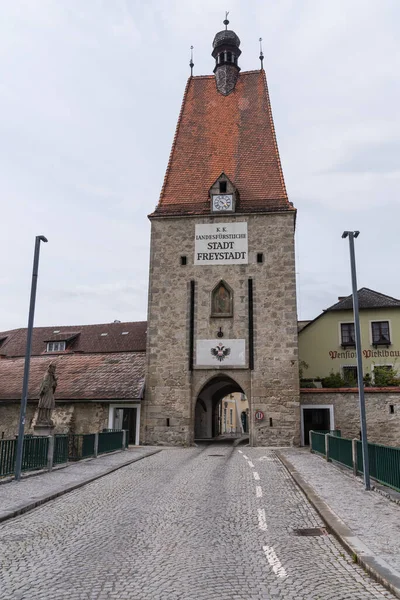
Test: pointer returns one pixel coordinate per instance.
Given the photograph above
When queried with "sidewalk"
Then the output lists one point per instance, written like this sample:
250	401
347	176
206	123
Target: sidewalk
19	497
367	523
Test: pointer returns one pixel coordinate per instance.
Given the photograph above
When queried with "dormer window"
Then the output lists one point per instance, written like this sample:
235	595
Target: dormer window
55	346
223	195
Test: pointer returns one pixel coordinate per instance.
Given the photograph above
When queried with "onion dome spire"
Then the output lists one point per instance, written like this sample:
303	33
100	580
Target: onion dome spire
226	53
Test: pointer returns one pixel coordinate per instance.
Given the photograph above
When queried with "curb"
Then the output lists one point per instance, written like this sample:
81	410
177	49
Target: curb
378	568
31	505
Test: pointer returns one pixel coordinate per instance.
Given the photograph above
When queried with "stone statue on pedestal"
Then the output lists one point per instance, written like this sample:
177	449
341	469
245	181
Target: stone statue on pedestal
44	424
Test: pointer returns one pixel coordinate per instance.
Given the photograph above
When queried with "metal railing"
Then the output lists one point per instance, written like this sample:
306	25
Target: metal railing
384	464
110	441
341	451
60	455
317	442
81	445
384	461
67	447
7	457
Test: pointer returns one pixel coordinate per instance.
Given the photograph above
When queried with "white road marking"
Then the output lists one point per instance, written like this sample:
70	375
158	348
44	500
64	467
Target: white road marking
246	457
240	452
262	523
256	476
258	491
274	561
251	464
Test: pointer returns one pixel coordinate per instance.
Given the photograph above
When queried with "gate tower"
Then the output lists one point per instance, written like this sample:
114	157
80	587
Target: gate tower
222	296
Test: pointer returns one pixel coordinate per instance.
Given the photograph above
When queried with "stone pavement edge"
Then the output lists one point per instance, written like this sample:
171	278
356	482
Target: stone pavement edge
373	562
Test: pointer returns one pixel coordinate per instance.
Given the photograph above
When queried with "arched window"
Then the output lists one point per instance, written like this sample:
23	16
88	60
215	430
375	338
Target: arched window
222	300
229	57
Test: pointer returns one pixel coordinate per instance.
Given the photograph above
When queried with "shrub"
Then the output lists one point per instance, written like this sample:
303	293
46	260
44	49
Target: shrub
334	380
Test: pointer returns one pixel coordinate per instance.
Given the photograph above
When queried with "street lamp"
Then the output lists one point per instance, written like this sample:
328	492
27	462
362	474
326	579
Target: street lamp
20	442
351	235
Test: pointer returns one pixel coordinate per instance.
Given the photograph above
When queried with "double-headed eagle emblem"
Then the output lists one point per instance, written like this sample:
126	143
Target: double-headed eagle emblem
220	352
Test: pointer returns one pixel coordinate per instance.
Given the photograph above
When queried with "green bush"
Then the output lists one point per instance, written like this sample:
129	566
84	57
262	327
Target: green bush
385	377
305	383
334	380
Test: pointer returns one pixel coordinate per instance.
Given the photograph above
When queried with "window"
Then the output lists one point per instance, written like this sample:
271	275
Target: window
350	375
183	260
347	334
260	257
222	187
55	346
383	374
380	333
231	416
229	56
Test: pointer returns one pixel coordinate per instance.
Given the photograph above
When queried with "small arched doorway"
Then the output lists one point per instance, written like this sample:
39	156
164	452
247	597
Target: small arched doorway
210	417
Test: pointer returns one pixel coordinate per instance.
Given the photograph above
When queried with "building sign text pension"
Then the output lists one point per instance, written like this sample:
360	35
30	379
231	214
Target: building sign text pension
366	354
221	244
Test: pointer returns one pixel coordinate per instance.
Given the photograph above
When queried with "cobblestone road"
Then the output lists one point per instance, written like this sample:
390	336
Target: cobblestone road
212	522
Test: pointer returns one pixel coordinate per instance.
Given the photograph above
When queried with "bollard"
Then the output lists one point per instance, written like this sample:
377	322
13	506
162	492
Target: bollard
96	445
50	453
354	453
124	432
327	446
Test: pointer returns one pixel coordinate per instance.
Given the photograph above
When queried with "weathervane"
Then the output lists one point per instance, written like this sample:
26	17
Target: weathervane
261	53
191	64
226	22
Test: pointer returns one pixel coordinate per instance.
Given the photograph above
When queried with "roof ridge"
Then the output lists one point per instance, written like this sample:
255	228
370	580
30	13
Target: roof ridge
271	119
164	185
379	294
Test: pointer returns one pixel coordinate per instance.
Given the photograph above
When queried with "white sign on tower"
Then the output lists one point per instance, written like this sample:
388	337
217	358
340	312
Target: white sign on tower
221	244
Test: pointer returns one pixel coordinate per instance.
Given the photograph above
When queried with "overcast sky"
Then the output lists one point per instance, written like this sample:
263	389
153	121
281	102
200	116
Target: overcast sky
90	92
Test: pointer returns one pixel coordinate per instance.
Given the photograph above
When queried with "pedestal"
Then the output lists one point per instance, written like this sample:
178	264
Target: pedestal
43	430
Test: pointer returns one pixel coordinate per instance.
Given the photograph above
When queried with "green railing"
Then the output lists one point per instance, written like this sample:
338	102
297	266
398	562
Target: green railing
34	455
384	464
80	445
317	442
335	432
110	441
60	449
341	451
7	456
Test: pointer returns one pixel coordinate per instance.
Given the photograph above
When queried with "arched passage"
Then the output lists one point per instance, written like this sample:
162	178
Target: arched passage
207	415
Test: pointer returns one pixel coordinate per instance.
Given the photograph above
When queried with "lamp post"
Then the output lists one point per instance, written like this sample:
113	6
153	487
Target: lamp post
351	235
20	442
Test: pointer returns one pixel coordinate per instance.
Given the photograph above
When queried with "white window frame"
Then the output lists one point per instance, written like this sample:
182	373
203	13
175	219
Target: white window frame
391	365
50	346
111	415
308	406
371	342
342	367
340	330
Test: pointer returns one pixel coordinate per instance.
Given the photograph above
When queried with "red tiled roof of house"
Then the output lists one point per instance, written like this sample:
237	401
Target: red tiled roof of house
80	377
120	337
233	134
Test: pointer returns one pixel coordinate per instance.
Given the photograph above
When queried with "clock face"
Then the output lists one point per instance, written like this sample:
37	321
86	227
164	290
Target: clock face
222	202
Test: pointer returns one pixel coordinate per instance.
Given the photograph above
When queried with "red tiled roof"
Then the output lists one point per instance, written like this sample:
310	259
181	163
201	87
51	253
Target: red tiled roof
86	338
80	376
233	134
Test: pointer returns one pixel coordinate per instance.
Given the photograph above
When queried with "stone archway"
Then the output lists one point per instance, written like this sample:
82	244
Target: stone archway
206	421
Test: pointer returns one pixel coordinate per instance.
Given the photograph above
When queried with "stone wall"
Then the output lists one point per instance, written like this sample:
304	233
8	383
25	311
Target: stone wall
171	390
85	417
383	427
